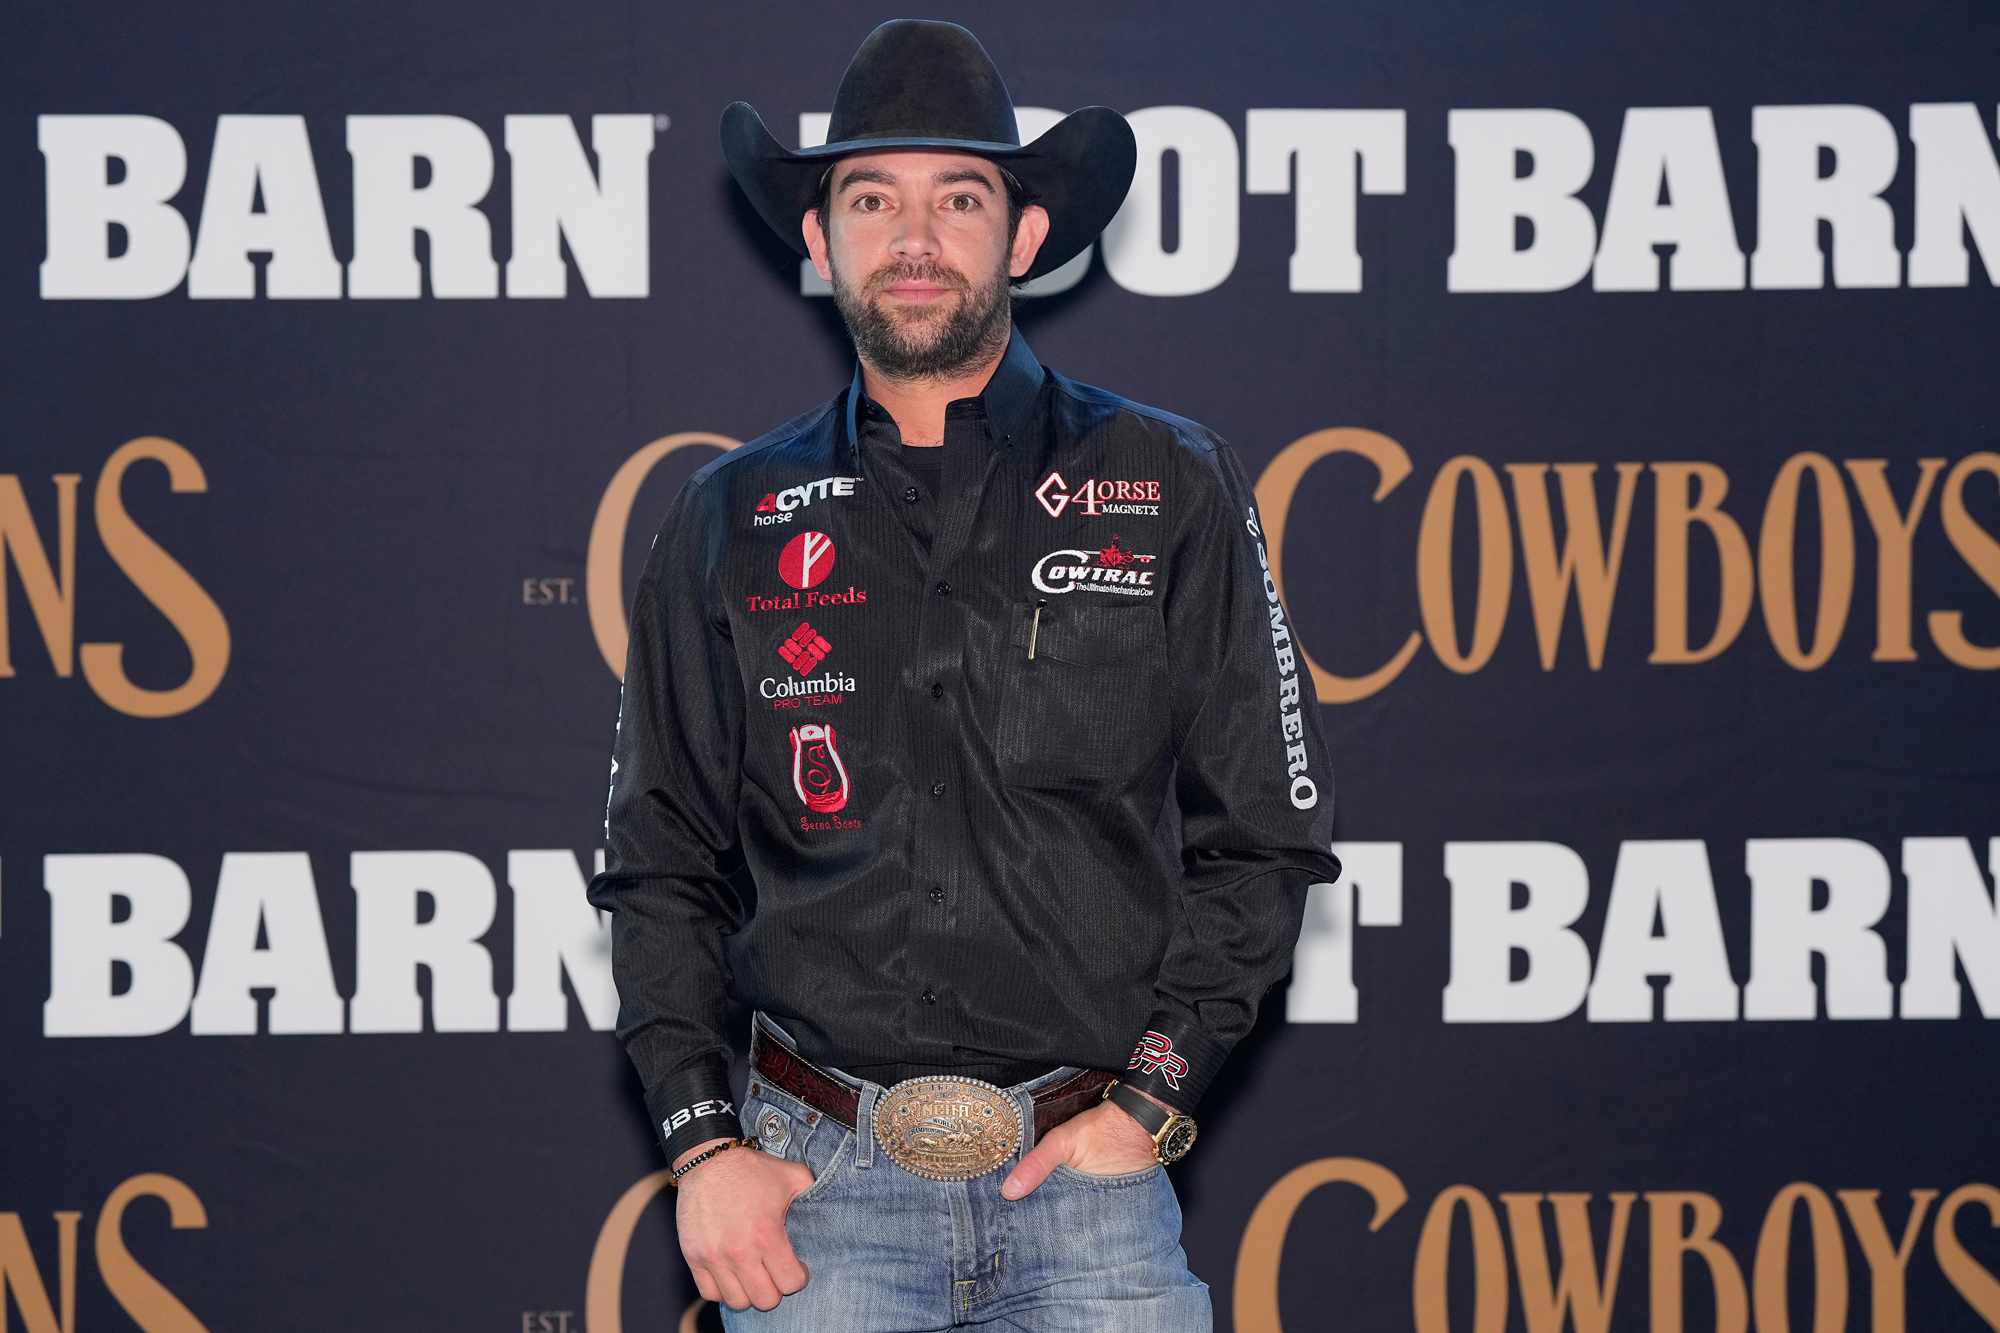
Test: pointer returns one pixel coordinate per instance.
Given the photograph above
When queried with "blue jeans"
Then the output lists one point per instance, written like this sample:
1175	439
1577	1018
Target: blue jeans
889	1252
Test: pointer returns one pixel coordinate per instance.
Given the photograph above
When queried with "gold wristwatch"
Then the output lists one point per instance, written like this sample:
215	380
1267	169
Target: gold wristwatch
1173	1133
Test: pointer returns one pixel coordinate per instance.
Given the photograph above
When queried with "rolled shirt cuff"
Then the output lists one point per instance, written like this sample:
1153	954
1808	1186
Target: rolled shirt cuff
692	1106
1174	1060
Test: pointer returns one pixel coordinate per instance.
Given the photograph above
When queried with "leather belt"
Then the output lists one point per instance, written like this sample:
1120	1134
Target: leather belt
790	1072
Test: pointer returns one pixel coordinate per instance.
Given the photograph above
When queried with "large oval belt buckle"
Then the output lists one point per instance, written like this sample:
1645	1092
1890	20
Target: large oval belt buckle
947	1128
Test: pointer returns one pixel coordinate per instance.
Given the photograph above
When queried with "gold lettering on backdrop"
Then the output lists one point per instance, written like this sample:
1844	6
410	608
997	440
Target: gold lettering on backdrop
1489	1264
1278	486
1974	1281
1671	1245
164	582
1888	1265
1582	1292
161	579
1687	495
141	1295
1771	1268
1674	514
137	1291
1586	563
604	561
21	1277
1980	551
1434	563
51	597
1895	532
1576	1292
1256	1305
1777	577
603	1300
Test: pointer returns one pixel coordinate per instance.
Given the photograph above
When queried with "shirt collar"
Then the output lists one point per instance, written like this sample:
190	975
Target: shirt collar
1008	395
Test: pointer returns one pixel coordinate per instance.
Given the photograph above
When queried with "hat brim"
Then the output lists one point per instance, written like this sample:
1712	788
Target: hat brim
1080	171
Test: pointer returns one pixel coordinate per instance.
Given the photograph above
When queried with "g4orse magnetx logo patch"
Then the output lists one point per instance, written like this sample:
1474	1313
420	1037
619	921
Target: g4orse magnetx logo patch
1099	495
1111	568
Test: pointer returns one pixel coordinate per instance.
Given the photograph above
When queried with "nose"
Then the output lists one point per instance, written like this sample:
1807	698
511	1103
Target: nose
916	236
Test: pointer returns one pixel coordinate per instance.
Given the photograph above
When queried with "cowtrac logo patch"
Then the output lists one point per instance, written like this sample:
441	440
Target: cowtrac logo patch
1155	1054
1098	495
777	506
1113	568
818	775
806	560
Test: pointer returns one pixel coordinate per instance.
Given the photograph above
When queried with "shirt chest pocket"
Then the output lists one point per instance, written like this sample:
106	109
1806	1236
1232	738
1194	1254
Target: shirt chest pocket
1084	693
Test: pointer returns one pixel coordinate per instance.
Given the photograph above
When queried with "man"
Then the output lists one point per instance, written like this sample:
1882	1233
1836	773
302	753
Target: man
962	737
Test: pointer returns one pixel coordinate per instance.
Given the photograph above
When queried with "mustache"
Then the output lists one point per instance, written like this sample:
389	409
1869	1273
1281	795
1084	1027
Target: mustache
933	274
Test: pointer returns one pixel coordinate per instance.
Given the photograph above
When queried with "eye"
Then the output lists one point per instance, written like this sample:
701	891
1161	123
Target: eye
859	200
971	200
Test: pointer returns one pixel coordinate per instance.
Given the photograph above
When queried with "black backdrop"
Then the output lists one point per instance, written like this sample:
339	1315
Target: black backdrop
374	701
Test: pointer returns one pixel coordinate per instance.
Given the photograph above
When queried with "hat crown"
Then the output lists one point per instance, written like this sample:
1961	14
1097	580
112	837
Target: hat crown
922	77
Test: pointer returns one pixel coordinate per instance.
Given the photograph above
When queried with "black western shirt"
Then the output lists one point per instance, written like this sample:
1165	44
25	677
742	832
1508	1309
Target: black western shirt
1023	775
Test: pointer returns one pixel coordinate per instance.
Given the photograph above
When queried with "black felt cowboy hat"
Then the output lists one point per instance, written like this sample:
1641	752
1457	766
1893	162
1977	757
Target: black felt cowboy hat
921	83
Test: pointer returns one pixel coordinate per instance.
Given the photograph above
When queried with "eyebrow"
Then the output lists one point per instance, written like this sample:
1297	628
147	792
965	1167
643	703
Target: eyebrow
883	176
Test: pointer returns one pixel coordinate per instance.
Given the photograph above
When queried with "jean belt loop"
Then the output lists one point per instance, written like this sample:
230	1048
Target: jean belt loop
864	1127
1026	1101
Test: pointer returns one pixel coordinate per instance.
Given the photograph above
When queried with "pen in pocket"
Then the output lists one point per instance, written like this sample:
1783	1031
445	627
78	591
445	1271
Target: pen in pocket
1035	626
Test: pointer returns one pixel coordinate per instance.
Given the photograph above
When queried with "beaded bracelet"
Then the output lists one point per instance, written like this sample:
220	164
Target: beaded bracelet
691	1163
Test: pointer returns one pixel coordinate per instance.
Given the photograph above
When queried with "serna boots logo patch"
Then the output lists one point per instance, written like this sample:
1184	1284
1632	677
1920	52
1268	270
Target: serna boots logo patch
818	776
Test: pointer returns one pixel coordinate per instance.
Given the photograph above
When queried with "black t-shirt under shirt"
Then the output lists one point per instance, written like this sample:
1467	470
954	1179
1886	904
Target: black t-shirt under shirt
916	474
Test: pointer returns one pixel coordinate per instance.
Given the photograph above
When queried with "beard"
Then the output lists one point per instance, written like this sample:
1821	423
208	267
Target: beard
938	340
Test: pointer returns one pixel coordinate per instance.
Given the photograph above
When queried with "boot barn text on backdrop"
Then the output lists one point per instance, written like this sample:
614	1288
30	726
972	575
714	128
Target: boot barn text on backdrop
1314	154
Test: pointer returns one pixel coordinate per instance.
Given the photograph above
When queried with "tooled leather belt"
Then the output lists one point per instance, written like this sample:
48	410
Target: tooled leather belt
789	1072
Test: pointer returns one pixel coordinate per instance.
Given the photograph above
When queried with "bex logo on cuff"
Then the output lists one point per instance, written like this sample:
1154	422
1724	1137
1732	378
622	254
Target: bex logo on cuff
687	1113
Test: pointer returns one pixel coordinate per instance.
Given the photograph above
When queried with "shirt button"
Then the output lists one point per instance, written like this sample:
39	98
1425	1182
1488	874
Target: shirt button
937	789
912	494
943	588
937	689
929	996
937	894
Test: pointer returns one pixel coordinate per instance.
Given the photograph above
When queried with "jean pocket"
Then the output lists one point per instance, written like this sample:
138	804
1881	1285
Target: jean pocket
786	1127
828	1165
773	1123
1113	1181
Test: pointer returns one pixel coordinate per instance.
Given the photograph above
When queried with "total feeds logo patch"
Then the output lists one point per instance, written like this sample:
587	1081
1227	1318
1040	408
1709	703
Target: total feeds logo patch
806	560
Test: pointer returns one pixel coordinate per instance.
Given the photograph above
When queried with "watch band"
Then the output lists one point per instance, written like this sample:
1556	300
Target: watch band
1173	1133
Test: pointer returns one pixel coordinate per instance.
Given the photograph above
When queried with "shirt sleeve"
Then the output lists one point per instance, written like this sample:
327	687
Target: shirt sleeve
1253	786
670	831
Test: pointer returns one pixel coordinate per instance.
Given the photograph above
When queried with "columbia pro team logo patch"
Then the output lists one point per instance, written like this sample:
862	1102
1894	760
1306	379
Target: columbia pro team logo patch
1112	568
806	560
804	648
1155	1054
818	776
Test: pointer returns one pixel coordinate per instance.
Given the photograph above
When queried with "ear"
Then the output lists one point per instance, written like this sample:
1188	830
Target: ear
1028	238
816	243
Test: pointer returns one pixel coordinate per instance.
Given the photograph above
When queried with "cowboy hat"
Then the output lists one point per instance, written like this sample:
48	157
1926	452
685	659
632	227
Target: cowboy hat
922	83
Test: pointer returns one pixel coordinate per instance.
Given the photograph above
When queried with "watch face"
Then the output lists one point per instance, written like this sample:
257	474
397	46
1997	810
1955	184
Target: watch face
1174	1144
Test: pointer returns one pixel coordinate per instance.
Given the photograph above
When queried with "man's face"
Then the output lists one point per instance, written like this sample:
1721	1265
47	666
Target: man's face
917	251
